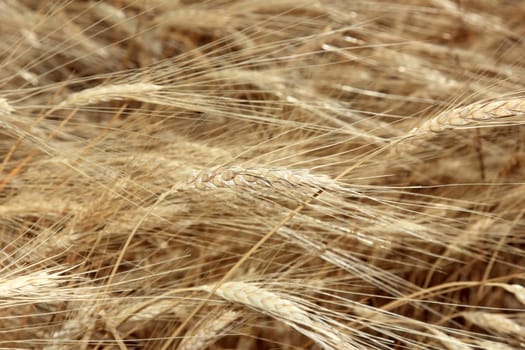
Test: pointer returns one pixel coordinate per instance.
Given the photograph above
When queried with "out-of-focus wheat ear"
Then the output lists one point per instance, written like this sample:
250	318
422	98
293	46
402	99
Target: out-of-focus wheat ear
5	110
498	323
449	342
104	93
379	316
5	107
203	334
137	313
492	345
472	115
81	320
41	283
67	332
114	15
516	289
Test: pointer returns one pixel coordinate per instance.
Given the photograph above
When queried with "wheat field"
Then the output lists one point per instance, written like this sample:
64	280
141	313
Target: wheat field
243	174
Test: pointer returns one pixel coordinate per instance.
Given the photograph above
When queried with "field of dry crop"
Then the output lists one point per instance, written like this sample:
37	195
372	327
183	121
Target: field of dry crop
244	174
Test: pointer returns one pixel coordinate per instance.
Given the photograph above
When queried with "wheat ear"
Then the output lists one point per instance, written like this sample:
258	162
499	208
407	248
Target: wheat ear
222	177
516	289
5	110
150	312
284	309
471	115
5	107
261	299
492	345
105	93
71	328
498	323
41	283
206	332
449	342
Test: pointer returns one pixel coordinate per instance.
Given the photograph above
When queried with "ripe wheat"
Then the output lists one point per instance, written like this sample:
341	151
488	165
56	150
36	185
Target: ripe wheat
105	93
226	174
475	114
